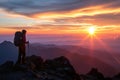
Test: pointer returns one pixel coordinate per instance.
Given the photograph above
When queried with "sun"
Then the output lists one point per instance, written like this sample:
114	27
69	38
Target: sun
91	30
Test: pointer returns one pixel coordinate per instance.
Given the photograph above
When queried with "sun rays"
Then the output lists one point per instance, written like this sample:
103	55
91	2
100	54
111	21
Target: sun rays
93	40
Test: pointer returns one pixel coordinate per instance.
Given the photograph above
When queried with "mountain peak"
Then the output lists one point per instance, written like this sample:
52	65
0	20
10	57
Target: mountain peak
6	42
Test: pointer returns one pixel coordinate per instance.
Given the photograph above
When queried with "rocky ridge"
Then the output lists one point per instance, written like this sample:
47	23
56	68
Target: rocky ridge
54	69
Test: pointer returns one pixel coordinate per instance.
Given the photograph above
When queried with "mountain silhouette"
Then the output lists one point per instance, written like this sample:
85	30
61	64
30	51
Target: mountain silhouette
7	52
82	61
58	68
35	68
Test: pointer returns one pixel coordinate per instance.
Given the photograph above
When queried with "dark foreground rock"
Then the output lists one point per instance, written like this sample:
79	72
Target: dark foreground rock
60	67
56	69
37	69
94	74
7	67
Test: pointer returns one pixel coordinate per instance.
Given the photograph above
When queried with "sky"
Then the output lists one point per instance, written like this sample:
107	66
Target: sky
62	21
59	16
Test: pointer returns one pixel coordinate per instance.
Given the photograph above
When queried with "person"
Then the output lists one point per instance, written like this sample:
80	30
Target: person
22	48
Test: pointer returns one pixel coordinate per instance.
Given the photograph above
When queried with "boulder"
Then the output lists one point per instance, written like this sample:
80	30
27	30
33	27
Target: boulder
34	62
95	74
60	67
117	77
6	67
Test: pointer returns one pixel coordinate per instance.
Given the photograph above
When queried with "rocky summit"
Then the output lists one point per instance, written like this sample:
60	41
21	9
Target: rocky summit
36	68
58	68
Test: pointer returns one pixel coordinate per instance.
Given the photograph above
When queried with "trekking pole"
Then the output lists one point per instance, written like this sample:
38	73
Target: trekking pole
28	48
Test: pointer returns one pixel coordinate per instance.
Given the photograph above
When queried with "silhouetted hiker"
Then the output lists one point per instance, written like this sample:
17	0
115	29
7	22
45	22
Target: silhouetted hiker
20	41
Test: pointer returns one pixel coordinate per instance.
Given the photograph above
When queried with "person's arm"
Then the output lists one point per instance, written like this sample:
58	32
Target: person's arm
27	42
24	39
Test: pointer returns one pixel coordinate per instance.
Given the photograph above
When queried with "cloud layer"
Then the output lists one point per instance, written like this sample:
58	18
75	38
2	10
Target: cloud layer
69	15
30	7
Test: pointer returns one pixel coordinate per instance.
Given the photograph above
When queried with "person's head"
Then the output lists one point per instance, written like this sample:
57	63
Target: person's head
24	31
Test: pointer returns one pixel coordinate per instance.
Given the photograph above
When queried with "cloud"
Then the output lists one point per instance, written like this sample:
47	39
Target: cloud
99	20
105	19
63	14
32	7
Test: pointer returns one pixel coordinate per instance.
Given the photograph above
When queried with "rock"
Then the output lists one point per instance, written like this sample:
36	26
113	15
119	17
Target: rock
60	67
20	67
95	74
34	62
54	69
6	67
117	77
108	78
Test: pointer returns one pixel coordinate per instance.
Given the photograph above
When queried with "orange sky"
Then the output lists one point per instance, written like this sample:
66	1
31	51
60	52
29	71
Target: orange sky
71	19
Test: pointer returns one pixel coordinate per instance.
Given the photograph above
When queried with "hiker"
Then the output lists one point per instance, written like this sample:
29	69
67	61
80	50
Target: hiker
20	42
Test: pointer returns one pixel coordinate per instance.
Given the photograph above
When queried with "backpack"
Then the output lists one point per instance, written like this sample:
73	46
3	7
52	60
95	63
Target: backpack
18	38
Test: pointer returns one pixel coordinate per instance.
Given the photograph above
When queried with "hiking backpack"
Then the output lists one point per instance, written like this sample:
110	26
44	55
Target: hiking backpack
18	38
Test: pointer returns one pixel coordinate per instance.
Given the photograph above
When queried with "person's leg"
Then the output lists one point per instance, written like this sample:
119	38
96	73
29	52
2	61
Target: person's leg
19	55
23	55
23	59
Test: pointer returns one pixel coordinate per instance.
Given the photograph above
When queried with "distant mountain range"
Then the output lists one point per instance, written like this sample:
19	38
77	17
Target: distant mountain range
81	58
7	52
